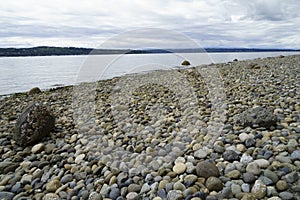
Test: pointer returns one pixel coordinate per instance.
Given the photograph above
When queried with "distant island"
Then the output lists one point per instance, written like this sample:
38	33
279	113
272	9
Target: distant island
60	51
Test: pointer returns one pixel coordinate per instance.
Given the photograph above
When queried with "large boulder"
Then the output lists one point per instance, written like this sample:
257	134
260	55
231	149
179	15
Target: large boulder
33	124
34	90
257	117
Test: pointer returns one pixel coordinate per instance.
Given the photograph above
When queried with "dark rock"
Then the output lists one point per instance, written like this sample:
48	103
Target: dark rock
249	177
257	117
34	90
185	63
33	125
214	184
230	155
286	195
206	169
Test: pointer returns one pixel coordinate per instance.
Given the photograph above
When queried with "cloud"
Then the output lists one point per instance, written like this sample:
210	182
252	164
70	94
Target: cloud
242	23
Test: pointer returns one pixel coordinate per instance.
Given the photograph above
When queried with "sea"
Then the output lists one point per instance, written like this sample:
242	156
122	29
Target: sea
20	74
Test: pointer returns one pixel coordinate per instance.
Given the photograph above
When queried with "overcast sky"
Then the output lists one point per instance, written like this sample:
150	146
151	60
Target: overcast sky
210	23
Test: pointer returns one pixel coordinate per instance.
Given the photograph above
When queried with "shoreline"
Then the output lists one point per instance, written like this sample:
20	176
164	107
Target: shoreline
154	135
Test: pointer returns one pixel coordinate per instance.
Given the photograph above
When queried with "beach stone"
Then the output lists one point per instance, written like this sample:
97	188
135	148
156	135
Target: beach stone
79	158
234	174
258	116
132	196
51	196
266	180
214	184
274	198
281	185
262	163
179	168
230	155
244	136
235	189
190	179
291	177
66	178
95	196
175	194
245	187
271	175
35	123
37	148
6	195
206	169
253	168
286	195
185	63
114	193
34	90
259	189
296	154
134	188
200	154
246	158
248	196
179	186
26	179
145	188
249	177
53	185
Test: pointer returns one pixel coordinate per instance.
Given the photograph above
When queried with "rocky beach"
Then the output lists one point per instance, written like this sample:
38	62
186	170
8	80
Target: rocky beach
220	131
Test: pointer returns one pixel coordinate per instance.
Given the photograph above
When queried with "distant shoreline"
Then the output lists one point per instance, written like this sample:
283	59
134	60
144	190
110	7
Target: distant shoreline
63	51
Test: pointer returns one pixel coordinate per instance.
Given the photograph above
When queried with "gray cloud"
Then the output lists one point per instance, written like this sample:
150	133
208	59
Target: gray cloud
224	23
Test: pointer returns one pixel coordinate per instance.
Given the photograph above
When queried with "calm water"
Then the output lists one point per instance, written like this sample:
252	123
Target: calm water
19	74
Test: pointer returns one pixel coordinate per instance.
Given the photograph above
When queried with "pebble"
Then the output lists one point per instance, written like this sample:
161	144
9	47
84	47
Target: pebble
37	148
234	174
79	158
281	185
296	154
214	184
262	163
175	194
253	168
179	168
53	185
230	155
132	196
286	195
200	154
206	169
259	189
51	196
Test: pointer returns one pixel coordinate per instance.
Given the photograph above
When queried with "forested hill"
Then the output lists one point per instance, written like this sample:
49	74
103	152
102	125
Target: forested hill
50	51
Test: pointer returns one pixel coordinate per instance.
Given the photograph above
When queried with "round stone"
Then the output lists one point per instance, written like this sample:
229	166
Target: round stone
207	169
200	154
53	185
37	148
214	184
281	185
253	168
249	177
179	168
